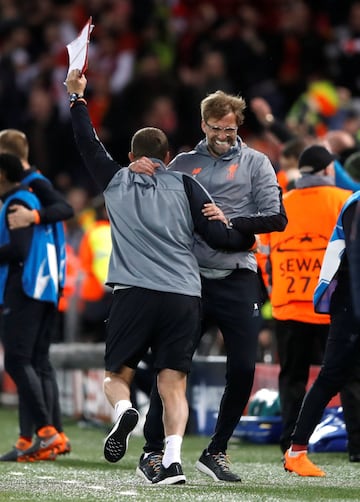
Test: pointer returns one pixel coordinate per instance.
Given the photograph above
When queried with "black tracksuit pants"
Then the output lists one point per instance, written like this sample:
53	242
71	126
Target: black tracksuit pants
341	360
233	305
26	329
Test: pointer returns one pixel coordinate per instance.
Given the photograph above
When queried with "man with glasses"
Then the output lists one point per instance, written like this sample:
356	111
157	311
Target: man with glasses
154	276
243	184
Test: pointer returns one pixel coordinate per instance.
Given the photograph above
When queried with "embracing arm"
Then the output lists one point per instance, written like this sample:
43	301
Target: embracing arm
214	232
260	224
267	194
55	207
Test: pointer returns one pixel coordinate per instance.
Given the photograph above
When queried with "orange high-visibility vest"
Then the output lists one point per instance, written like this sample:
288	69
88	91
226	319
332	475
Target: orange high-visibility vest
282	180
71	276
94	255
296	254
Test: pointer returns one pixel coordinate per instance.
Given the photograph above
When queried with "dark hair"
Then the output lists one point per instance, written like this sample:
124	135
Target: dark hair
12	167
150	142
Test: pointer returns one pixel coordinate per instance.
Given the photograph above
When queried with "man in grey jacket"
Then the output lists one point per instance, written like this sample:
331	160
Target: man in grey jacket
154	275
243	184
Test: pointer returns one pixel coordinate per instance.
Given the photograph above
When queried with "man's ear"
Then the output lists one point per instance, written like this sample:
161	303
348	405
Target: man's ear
203	126
131	157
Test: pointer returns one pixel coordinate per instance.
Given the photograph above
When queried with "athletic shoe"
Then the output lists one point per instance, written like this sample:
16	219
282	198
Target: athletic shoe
301	465
20	446
44	446
149	467
216	465
173	475
41	455
116	442
353	457
65	446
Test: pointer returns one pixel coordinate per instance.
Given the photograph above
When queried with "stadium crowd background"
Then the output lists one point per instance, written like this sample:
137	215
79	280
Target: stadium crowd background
152	61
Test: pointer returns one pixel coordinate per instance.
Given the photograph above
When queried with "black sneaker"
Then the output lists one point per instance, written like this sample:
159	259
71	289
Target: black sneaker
149	467
11	456
116	442
216	465
353	457
173	475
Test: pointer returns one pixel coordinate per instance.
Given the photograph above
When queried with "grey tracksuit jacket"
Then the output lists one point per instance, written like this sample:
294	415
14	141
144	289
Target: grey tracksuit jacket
243	183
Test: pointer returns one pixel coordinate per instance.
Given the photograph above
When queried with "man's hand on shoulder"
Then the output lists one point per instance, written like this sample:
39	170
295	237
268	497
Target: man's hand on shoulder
144	166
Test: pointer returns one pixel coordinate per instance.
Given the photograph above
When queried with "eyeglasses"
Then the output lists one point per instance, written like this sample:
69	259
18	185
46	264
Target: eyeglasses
226	130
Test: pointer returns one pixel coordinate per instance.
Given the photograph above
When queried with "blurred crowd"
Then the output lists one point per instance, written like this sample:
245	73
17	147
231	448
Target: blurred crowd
152	61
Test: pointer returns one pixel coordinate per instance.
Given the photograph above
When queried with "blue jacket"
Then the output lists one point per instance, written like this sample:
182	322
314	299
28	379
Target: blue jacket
332	259
40	279
58	230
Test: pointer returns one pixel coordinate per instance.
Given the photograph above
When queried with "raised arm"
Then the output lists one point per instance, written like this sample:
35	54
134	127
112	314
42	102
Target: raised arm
96	159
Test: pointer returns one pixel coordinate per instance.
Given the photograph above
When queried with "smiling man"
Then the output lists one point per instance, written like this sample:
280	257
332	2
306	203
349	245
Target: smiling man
243	184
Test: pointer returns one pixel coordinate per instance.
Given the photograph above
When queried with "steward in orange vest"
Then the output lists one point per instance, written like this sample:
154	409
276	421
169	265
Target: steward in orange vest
295	255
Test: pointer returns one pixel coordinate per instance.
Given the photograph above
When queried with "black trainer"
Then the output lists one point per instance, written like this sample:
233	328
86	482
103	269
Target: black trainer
116	442
353	457
11	456
216	465
173	475
149	467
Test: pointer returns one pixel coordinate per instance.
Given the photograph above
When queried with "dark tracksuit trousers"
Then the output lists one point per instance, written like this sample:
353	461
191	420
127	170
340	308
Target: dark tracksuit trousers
339	369
26	329
299	345
233	305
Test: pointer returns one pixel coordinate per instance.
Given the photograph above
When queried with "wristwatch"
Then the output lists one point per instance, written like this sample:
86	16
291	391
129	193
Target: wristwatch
74	96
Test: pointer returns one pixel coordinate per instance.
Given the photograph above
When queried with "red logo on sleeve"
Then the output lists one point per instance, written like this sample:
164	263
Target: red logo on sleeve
196	171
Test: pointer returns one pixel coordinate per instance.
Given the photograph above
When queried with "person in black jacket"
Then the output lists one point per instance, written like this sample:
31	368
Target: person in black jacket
54	209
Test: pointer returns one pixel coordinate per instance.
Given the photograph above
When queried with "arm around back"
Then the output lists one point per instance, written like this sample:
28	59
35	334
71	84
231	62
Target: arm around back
214	232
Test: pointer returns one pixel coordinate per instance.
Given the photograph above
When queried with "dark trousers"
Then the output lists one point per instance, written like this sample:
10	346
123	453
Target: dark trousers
339	368
299	345
350	399
26	333
233	305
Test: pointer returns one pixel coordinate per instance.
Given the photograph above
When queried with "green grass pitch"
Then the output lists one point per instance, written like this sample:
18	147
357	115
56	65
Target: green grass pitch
84	475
